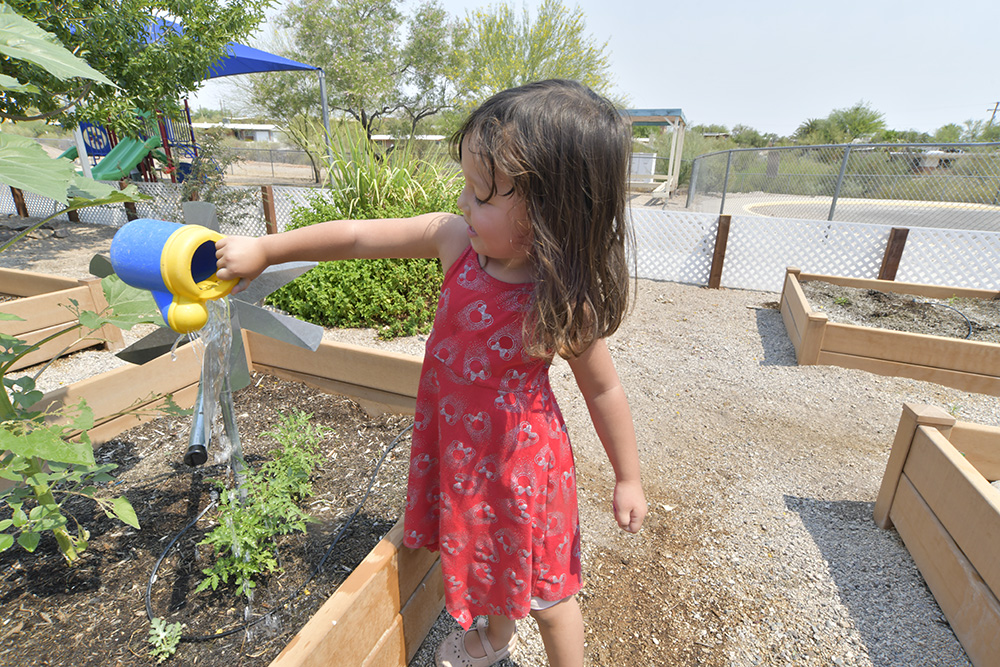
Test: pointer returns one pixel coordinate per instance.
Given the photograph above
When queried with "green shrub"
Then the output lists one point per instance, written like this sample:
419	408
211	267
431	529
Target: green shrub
398	297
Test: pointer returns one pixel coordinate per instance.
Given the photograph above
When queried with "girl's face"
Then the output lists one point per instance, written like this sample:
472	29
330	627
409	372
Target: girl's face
498	228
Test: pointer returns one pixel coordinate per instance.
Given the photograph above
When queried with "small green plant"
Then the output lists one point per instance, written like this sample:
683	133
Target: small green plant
264	506
163	639
842	301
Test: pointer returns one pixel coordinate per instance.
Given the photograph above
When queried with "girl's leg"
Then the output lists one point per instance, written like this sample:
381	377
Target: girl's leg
561	627
498	632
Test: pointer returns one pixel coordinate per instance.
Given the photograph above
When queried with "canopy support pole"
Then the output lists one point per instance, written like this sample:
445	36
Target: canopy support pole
326	111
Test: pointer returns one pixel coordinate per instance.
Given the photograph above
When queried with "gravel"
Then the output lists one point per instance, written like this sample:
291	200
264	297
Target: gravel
760	547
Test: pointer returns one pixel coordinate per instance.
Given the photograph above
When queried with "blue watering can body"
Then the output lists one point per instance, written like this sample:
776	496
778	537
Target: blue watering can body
176	263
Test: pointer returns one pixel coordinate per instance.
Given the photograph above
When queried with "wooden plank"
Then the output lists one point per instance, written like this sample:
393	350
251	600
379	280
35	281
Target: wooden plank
390	372
960	498
719	255
29	283
970	607
980	445
61	345
110	428
45	310
968	356
19	204
358	619
373	401
270	217
117	390
913	415
916	289
422	609
972	382
809	327
893	253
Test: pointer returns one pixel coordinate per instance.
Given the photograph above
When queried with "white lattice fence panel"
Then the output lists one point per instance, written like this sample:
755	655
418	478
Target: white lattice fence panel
288	198
952	257
760	249
674	246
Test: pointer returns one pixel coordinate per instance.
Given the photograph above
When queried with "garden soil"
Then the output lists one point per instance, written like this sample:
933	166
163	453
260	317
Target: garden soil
759	549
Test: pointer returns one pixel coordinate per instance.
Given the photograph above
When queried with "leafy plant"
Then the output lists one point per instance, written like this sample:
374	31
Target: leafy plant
44	465
164	638
263	506
207	181
397	297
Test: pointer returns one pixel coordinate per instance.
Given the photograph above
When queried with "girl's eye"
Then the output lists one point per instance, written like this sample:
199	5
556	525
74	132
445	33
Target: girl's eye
479	202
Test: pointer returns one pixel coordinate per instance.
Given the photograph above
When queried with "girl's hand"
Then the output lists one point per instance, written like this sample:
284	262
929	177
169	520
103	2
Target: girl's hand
240	257
629	505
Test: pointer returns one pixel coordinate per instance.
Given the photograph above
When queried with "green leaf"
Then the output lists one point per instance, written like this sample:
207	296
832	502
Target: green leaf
23	40
24	164
46	442
7	317
84	192
10	83
29	541
123	510
129	305
6	542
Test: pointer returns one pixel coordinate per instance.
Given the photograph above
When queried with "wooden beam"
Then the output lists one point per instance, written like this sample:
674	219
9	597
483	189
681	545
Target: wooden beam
270	217
19	204
913	415
893	253
719	256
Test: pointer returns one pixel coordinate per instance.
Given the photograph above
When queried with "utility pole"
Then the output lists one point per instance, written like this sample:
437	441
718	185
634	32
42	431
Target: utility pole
994	110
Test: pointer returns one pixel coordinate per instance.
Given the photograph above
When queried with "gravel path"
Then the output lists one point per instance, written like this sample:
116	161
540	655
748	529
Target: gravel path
760	548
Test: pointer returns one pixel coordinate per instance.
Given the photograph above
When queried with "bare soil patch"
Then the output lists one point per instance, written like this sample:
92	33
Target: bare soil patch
972	319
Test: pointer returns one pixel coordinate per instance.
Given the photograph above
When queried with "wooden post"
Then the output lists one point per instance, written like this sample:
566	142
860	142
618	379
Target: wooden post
721	238
130	211
893	252
19	204
270	217
913	416
74	215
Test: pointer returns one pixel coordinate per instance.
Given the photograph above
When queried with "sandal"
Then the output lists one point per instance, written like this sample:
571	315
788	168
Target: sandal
452	653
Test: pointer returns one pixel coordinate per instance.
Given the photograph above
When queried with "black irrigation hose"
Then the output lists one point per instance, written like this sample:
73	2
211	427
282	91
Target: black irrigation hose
968	322
316	570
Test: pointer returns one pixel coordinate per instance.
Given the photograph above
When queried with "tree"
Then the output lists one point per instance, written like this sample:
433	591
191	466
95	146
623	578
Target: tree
502	50
371	70
950	133
857	122
112	37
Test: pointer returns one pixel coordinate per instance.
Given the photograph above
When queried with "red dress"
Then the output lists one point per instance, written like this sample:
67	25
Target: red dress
492	484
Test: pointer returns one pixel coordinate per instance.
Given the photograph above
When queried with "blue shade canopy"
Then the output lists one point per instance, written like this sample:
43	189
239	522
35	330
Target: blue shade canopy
241	59
246	60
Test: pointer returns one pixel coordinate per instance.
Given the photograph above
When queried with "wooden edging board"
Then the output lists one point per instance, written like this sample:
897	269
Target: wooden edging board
966	365
948	515
43	309
381	613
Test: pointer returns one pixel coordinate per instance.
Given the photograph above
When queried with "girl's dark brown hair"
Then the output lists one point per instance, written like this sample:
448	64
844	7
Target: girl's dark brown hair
567	151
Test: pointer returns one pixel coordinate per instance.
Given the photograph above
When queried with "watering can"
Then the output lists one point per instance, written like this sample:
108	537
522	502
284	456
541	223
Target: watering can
176	263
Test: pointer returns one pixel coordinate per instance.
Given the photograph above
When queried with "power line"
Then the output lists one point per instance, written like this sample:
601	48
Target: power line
994	110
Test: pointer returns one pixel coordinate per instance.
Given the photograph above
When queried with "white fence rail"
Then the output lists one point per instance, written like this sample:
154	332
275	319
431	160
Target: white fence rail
679	246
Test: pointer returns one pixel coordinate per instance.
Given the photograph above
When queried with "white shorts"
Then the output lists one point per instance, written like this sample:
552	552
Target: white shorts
538	604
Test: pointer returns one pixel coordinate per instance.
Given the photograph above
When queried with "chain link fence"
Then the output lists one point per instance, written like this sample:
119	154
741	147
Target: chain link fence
953	186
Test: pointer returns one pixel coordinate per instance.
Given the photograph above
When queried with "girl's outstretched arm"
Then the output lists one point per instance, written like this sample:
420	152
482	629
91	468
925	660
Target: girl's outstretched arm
441	235
602	390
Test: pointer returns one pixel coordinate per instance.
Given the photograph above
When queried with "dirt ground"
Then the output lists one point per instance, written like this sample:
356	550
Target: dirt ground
738	446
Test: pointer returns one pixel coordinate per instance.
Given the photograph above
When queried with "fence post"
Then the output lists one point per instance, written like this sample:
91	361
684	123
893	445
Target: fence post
694	183
131	213
840	181
893	252
725	182
719	256
270	217
19	204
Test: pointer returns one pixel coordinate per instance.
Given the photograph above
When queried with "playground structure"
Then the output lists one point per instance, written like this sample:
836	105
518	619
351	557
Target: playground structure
162	140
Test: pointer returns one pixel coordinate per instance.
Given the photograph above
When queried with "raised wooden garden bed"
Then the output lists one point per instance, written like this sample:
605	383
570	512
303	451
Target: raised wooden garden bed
381	613
42	304
936	493
966	365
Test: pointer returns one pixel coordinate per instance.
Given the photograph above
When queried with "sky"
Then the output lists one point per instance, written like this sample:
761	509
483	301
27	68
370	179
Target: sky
773	64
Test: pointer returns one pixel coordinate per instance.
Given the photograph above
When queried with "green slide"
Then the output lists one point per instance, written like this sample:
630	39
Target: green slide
123	158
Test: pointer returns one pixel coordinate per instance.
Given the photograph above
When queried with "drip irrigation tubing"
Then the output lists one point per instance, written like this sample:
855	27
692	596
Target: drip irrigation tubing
316	570
968	322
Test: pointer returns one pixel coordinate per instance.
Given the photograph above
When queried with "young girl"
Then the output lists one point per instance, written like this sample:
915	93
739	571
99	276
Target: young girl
535	266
